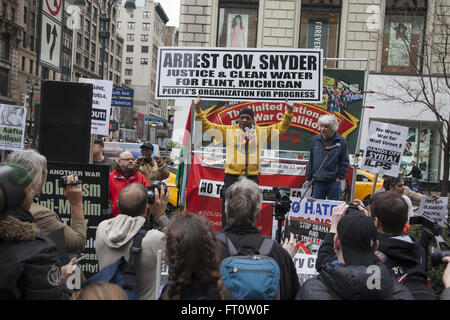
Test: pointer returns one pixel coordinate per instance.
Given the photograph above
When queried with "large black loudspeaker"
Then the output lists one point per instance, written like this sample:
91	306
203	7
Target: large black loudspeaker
65	121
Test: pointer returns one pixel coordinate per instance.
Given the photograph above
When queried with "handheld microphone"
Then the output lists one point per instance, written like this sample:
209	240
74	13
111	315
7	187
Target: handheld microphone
247	130
333	146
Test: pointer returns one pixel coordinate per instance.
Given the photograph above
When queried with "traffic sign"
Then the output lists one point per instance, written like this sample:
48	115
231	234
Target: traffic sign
50	42
51	34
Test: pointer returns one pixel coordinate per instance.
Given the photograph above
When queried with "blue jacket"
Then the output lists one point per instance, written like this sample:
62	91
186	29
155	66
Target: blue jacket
337	163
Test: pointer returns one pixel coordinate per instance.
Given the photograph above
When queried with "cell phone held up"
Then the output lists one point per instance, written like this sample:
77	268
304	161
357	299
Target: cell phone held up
65	184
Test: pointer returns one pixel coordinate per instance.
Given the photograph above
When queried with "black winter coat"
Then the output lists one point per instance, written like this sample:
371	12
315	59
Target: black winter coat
348	282
250	237
28	263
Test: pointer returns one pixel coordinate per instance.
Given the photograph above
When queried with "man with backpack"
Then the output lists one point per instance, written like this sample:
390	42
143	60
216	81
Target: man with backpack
115	237
242	206
402	254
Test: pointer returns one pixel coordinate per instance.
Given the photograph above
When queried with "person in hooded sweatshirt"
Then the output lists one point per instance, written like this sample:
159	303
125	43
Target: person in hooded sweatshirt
114	236
356	273
402	254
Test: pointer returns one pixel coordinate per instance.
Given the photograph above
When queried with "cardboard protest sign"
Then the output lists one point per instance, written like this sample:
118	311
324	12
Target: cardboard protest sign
240	74
435	210
385	145
95	180
308	231
101	105
12	127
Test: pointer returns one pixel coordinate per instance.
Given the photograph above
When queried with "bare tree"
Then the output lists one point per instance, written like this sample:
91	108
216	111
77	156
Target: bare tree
430	85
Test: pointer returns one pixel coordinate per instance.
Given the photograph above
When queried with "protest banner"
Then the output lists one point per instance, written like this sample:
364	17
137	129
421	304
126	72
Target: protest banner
95	188
12	127
101	105
308	231
385	146
435	210
240	74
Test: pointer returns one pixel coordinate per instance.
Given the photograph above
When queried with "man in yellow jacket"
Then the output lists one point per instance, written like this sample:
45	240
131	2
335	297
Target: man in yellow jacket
244	143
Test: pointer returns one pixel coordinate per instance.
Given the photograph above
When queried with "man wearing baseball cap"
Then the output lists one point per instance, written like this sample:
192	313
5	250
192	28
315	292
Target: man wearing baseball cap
356	273
244	142
99	158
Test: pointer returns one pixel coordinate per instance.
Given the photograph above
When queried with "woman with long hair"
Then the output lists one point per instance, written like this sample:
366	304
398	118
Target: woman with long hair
237	33
192	257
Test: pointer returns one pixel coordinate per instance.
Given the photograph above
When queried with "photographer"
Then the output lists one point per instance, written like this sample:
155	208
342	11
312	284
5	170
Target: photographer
46	219
347	262
114	236
28	261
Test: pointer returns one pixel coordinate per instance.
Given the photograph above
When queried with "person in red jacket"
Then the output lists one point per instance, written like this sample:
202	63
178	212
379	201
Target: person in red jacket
124	174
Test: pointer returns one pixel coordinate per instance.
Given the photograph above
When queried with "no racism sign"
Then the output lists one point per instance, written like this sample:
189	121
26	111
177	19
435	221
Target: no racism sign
240	74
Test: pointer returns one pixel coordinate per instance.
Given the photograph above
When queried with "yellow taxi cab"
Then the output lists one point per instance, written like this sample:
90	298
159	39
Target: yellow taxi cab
364	185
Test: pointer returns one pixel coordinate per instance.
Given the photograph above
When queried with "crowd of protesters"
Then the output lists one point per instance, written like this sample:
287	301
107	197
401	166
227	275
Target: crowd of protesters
361	242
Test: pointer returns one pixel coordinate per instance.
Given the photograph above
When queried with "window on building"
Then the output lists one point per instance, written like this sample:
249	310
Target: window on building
130	48
4	46
86	63
144	60
146	14
129	60
118	65
32	19
127	81
78	58
110	75
25	14
23	63
128	72
93	48
119	50
24	40
111	60
144	37
116	79
31	66
79	39
86	44
119	25
92	66
31	43
130	37
4	9
319	27
13	14
94	31
4	81
238	23
131	25
404	27
87	26
144	49
145	26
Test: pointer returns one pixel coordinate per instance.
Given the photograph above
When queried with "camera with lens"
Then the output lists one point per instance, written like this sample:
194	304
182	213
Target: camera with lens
151	190
432	232
281	197
65	184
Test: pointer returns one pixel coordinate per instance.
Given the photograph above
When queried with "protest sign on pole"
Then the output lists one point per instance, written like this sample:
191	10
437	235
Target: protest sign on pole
385	146
240	74
12	127
101	105
435	210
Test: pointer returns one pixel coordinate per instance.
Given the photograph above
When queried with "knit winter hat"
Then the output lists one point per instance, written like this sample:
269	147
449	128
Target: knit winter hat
19	175
247	111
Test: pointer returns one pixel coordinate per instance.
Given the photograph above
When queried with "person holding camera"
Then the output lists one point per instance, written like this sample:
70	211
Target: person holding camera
28	258
124	174
349	268
150	167
402	254
114	237
46	219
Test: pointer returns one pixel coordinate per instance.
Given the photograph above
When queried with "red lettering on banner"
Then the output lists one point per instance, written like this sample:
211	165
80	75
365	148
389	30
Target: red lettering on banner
295	134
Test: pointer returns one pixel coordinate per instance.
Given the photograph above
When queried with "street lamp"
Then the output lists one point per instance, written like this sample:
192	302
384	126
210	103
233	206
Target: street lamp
105	18
30	88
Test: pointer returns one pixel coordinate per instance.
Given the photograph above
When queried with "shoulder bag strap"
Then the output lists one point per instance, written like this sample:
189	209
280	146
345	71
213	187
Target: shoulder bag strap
226	241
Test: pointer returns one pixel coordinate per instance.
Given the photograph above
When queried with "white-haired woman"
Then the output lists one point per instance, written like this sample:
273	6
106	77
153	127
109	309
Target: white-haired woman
328	160
46	219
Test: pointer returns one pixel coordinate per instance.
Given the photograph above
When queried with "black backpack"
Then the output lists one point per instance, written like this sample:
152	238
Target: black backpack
412	277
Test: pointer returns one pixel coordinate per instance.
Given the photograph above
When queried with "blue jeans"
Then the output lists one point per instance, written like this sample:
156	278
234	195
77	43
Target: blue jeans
327	190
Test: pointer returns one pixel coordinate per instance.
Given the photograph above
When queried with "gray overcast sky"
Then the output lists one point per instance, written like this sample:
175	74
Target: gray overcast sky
172	9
